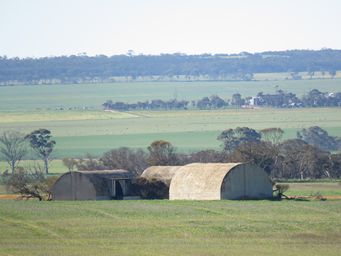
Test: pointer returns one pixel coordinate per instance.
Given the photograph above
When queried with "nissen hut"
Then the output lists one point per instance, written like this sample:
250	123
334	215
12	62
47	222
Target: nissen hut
93	185
215	181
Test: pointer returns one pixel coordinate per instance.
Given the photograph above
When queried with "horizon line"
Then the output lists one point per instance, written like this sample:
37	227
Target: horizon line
131	53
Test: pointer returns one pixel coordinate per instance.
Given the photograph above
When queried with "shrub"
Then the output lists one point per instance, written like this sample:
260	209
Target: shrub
30	184
280	189
151	188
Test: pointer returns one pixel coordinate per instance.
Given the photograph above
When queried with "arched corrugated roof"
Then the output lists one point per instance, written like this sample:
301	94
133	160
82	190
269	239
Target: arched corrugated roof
162	173
204	179
108	174
99	179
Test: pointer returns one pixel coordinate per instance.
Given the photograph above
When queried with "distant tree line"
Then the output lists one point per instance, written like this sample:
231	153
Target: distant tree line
281	99
147	105
313	98
101	68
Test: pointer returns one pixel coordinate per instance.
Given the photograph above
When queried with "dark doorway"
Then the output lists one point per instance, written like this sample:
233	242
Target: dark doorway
118	191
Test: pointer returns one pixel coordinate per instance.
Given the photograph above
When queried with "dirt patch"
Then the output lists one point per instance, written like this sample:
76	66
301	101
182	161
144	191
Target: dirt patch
9	196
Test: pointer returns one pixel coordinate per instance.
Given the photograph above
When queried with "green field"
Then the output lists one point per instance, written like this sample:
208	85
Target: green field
73	113
56	166
314	189
170	228
287	75
187	130
92	96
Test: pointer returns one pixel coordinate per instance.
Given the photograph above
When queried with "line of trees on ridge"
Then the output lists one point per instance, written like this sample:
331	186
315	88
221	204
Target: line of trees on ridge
82	68
280	99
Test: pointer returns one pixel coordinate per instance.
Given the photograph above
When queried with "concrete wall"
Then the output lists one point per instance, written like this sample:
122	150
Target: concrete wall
73	186
246	182
90	186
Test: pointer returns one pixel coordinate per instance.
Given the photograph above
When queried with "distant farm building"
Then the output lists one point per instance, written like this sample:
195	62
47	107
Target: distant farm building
215	181
93	185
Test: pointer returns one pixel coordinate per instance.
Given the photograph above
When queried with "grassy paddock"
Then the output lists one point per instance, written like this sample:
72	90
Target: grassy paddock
314	189
92	96
170	228
56	166
187	130
73	114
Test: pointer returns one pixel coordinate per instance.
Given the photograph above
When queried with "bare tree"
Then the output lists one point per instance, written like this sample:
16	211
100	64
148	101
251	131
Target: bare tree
273	135
261	153
70	163
161	153
302	160
133	160
13	147
89	163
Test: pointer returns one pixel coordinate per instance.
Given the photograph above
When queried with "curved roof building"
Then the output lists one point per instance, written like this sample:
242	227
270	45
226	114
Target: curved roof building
215	181
92	185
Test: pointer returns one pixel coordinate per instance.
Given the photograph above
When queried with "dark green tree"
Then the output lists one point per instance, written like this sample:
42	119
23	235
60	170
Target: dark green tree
232	138
42	143
237	100
319	137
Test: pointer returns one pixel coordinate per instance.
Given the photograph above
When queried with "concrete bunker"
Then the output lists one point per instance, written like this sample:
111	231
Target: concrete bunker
93	185
216	181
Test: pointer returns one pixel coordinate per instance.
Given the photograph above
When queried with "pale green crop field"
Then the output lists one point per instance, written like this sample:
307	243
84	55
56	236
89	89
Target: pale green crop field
92	96
314	189
86	128
187	130
287	75
153	227
56	166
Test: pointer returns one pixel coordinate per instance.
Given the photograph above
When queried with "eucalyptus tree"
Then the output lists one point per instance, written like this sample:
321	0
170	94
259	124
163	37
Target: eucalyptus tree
42	143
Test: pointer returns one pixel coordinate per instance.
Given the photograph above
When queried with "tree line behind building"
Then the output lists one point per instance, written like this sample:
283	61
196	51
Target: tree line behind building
310	156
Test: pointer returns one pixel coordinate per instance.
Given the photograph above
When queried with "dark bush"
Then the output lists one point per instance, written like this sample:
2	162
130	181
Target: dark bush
151	188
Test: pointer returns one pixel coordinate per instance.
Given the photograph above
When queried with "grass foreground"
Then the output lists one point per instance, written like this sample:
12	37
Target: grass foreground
170	228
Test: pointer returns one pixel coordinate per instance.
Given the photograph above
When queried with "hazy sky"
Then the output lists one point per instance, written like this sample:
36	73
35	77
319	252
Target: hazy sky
34	28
